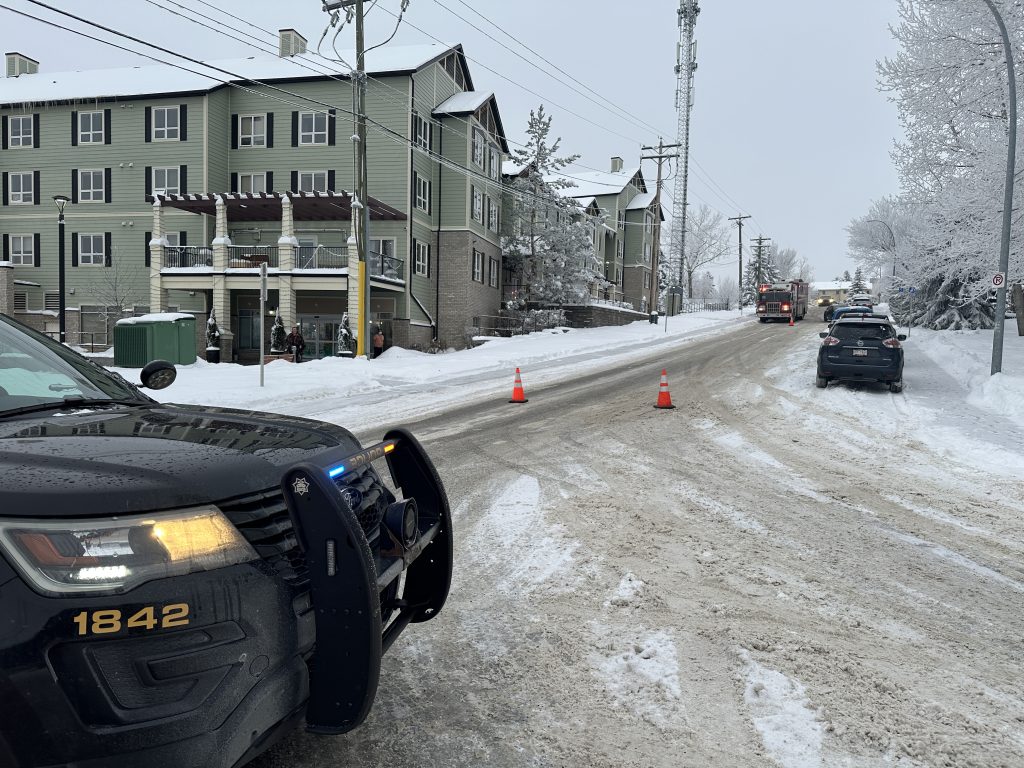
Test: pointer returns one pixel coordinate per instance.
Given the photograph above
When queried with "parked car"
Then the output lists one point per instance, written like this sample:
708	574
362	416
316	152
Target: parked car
849	309
862	300
861	348
824	301
180	585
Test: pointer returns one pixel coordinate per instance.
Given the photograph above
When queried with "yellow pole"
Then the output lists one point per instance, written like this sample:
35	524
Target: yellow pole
363	312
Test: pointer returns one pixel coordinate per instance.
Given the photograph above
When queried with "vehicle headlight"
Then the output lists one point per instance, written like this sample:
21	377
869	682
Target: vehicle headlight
115	554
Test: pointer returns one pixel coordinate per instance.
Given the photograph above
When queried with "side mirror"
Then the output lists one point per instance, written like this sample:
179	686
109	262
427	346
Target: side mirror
159	374
823	335
901	337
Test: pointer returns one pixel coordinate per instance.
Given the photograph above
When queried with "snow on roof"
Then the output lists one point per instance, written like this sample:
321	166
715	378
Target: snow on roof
831	285
462	103
512	168
165	79
641	201
28	283
156	317
598	183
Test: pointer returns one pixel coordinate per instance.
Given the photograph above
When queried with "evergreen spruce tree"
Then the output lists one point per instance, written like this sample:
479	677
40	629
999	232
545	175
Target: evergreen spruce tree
858	285
748	291
277	334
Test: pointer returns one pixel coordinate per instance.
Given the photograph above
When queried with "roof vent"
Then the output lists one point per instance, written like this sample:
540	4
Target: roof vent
290	43
616	165
20	64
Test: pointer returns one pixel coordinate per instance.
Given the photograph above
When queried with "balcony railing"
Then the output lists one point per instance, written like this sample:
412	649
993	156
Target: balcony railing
321	257
386	266
186	256
251	256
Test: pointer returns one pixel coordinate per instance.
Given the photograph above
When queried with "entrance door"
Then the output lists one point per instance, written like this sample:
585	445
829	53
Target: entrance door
248	330
321	335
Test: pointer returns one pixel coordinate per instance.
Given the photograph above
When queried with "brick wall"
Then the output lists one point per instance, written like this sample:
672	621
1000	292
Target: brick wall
7	289
461	297
594	315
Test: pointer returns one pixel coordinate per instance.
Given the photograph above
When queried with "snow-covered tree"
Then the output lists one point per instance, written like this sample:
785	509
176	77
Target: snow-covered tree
707	241
277	334
548	241
786	261
857	285
703	287
748	291
727	290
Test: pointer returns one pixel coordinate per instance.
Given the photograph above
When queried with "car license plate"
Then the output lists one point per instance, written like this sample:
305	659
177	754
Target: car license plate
860	353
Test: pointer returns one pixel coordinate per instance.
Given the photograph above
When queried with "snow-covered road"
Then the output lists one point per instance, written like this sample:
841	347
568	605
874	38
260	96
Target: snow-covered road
768	575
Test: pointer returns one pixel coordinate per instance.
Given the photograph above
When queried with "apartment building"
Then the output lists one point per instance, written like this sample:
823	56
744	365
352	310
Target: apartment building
182	184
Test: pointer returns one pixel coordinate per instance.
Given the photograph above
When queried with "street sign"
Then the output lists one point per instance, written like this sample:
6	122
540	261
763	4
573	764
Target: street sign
912	289
998	279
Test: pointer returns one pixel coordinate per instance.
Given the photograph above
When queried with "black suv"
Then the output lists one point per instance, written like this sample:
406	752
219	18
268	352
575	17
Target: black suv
179	585
861	348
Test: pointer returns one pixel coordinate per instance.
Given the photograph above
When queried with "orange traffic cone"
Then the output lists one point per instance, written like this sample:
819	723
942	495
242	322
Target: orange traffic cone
664	398
518	395
791	321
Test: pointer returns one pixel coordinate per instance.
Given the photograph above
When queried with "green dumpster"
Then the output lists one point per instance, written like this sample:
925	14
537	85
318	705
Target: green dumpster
169	336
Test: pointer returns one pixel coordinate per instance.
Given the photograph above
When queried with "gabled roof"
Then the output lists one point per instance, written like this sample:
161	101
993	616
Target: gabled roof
463	103
163	79
597	183
641	201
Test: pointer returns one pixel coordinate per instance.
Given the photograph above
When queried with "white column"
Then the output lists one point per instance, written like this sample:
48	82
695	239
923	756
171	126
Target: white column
221	296
157	244
286	245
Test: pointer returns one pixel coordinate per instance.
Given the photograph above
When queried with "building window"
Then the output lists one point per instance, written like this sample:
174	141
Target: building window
165	181
252	131
492	215
649	224
20	302
315	181
478	205
51	301
495	164
647	253
492	274
173	239
21	131
166	124
422	193
422	132
90	127
622	219
618	277
479	144
23	250
312	128
421	263
21	189
90	187
478	266
620	250
382	246
252	182
90	250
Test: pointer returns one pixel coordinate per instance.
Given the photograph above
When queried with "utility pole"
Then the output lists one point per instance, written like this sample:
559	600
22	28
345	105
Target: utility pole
686	65
739	286
759	249
660	157
360	201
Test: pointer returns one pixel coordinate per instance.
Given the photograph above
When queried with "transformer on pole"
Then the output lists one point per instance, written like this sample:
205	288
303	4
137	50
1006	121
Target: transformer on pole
686	65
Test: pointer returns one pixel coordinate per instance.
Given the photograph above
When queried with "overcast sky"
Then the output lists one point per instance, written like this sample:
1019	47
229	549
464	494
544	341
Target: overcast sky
788	124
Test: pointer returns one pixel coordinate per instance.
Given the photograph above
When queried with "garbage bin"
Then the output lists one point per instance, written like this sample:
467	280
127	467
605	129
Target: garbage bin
654	318
169	336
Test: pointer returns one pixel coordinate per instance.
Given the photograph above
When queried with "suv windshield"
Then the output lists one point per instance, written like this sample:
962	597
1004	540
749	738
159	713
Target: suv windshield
35	370
863	331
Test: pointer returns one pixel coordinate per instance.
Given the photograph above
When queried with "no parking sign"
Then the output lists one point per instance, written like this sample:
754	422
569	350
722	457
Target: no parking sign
998	279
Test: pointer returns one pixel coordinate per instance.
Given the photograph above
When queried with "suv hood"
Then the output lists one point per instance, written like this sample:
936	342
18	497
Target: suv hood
123	460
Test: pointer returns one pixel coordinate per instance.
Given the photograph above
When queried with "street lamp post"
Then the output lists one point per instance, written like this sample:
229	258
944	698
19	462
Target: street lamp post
1011	152
60	201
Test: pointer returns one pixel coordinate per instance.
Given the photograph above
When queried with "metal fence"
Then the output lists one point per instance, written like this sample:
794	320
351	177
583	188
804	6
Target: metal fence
321	257
185	256
501	325
699	305
250	256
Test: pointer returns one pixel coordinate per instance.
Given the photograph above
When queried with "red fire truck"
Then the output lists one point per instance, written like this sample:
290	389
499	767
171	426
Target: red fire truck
782	301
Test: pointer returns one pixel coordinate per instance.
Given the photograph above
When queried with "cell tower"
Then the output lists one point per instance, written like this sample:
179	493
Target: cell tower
686	65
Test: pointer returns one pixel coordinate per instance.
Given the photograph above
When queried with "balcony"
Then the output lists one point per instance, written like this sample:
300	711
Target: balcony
251	256
187	256
321	257
387	267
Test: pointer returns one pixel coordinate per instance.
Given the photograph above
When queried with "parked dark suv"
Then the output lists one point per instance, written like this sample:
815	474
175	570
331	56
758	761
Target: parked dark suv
861	348
179	585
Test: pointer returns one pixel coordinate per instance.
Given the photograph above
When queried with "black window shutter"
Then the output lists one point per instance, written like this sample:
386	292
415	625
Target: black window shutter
35	187
332	124
295	181
37	248
3	132
35	131
428	260
270	130
183	237
107	178
5	191
330	181
106	126
149	180
74	249
7	247
183	122
145	248
234	131
430	137
107	248
270	181
234	182
183	180
149	124
295	129
74	129
74	185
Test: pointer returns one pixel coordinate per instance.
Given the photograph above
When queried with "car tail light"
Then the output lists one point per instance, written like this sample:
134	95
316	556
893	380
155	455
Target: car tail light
891	343
829	341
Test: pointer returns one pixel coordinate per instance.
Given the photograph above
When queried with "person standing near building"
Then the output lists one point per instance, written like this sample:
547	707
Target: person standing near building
295	343
378	342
